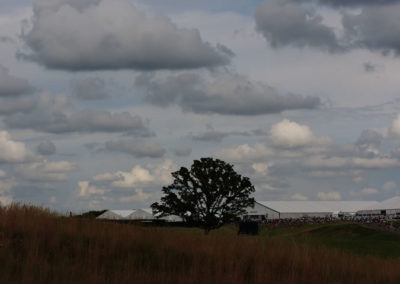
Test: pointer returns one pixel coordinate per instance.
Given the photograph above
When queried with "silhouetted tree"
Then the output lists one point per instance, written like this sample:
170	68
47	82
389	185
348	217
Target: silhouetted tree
209	195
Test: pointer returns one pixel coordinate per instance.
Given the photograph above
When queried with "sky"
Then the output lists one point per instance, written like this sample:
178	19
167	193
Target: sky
100	100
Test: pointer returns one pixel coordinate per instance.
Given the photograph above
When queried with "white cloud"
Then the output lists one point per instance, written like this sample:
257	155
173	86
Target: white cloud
12	151
245	153
368	191
298	196
332	195
394	129
260	168
289	134
139	177
6	186
85	189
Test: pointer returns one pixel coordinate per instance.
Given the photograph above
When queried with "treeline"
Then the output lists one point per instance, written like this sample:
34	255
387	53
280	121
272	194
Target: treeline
37	246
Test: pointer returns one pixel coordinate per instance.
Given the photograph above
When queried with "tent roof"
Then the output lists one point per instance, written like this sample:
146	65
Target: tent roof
316	206
122	213
392	203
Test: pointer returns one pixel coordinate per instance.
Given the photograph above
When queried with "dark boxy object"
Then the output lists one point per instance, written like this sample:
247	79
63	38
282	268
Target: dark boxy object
248	227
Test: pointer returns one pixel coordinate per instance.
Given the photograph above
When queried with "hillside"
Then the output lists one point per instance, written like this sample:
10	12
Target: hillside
37	246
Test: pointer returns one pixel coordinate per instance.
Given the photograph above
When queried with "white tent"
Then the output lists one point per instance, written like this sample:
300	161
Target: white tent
137	214
389	207
140	214
299	209
115	214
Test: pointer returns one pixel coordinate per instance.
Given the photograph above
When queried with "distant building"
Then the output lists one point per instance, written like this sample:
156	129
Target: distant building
137	214
264	210
389	207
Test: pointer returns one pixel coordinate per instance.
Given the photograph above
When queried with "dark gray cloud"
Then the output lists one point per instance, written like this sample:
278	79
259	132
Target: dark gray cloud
6	39
285	23
226	94
16	104
46	148
11	85
368	143
369	138
376	28
212	135
369	67
57	115
182	151
93	88
138	147
107	34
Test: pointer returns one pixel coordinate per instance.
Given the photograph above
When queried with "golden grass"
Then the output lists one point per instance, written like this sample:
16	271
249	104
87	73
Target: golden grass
37	246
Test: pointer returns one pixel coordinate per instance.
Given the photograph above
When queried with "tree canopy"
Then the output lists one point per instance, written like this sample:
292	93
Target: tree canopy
209	194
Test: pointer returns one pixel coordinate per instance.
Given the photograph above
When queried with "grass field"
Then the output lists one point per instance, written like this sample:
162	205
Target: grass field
37	246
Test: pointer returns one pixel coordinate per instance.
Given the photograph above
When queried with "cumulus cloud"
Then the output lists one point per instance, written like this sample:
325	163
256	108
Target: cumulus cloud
245	153
375	27
226	94
332	195
6	186
286	23
290	134
113	34
137	147
394	129
260	168
298	197
85	189
11	85
45	170
57	115
138	178
92	88
46	148
12	151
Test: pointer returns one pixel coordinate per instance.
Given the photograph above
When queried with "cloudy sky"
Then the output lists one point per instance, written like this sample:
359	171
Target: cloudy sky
100	100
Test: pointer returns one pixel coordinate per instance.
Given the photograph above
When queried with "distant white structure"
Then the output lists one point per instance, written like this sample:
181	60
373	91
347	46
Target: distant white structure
140	214
389	207
264	210
115	214
137	214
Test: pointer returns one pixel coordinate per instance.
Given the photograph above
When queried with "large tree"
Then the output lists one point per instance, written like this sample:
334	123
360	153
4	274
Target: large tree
209	195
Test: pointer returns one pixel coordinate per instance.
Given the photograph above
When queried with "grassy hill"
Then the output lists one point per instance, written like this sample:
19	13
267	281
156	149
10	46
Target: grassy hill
37	246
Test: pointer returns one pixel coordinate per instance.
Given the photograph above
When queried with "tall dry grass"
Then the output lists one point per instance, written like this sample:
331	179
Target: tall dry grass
37	246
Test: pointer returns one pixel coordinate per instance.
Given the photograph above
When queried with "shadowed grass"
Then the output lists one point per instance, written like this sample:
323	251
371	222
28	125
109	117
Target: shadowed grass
37	246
